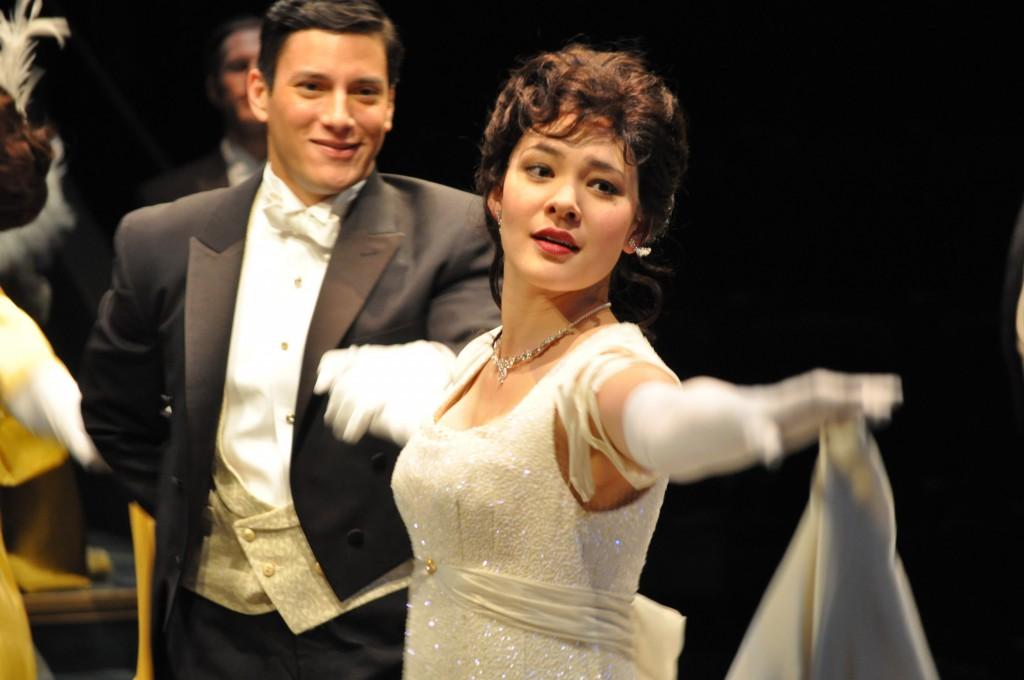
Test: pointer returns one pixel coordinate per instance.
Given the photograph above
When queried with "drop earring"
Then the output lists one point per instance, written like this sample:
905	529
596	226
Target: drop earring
641	251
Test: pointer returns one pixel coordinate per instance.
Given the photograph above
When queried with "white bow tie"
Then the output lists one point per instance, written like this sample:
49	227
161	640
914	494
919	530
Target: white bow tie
303	223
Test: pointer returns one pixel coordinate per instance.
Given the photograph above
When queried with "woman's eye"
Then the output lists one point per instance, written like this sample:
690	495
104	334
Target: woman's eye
537	170
605	187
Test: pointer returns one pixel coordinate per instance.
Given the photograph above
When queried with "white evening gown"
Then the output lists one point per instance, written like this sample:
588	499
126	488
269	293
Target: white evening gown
513	578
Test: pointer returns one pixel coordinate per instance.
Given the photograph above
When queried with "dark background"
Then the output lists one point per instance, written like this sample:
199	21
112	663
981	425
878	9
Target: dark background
856	172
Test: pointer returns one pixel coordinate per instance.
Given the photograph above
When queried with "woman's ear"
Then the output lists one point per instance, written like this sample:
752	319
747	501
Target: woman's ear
636	237
494	205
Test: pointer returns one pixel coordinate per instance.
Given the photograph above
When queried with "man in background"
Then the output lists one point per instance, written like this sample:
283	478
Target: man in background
231	51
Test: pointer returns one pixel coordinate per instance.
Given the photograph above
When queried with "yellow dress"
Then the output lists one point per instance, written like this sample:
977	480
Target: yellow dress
22	456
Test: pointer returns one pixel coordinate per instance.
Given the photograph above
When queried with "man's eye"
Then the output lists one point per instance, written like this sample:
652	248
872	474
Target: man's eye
367	92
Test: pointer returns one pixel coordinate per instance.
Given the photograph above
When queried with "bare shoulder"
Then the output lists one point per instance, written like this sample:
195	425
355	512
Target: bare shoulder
612	396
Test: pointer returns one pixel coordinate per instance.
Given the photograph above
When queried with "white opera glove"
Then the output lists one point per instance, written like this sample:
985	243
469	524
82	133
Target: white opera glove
800	405
386	390
48	404
705	427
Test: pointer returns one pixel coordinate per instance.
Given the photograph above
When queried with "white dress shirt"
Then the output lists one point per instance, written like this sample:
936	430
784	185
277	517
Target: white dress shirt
240	164
282	270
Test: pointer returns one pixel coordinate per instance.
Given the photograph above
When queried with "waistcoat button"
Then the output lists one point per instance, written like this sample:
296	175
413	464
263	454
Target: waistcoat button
356	538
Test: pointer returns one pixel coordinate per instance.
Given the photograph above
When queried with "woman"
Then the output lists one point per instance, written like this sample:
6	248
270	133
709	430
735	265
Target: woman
532	496
39	401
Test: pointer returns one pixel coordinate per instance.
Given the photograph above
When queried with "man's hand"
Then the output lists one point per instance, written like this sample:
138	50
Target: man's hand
386	390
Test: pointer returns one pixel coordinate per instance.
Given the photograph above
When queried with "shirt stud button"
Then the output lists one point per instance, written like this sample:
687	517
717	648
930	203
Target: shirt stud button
298	282
269	569
430	565
284	345
290	419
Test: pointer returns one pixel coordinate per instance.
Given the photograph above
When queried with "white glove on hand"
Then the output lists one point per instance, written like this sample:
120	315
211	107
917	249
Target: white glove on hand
387	390
706	426
800	405
49	405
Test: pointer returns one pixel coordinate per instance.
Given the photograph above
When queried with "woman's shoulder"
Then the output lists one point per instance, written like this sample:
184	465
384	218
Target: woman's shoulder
606	352
615	344
627	335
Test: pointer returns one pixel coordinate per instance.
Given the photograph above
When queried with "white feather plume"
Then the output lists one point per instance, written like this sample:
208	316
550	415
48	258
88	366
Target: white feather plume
18	47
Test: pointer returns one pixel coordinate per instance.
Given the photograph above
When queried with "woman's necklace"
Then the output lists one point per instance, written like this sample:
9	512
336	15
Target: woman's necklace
505	365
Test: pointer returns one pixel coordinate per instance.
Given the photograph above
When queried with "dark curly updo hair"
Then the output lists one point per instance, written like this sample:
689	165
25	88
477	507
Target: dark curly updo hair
25	156
615	89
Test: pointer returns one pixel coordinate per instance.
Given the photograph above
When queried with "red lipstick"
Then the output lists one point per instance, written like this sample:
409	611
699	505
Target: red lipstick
555	241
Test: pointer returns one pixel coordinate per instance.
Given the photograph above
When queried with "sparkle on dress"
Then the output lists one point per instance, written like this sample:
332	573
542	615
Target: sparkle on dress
493	498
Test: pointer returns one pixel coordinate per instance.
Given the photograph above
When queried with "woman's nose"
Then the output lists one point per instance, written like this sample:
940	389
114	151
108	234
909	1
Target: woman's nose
563	204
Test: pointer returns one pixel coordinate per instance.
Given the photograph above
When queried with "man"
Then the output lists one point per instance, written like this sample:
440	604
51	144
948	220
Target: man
279	550
231	52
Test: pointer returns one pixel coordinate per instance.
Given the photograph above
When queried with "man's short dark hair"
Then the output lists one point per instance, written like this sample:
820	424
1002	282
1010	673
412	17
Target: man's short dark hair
363	17
213	52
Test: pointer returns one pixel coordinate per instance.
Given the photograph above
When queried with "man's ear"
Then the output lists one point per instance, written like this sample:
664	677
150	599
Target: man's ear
259	94
389	121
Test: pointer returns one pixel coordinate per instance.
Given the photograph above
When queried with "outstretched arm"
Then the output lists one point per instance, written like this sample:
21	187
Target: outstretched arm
705	426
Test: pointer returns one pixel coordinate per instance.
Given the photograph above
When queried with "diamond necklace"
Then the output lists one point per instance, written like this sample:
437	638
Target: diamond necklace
505	365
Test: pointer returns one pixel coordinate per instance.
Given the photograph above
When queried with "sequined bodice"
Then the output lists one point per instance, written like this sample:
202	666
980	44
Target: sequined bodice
493	498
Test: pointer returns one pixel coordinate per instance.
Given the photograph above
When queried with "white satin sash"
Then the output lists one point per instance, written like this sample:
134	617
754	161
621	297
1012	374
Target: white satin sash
635	626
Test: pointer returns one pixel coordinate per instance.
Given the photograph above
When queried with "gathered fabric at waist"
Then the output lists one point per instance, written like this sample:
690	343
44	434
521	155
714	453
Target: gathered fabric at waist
627	623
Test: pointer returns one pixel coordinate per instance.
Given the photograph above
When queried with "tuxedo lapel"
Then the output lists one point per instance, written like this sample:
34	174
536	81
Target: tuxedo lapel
214	267
368	240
